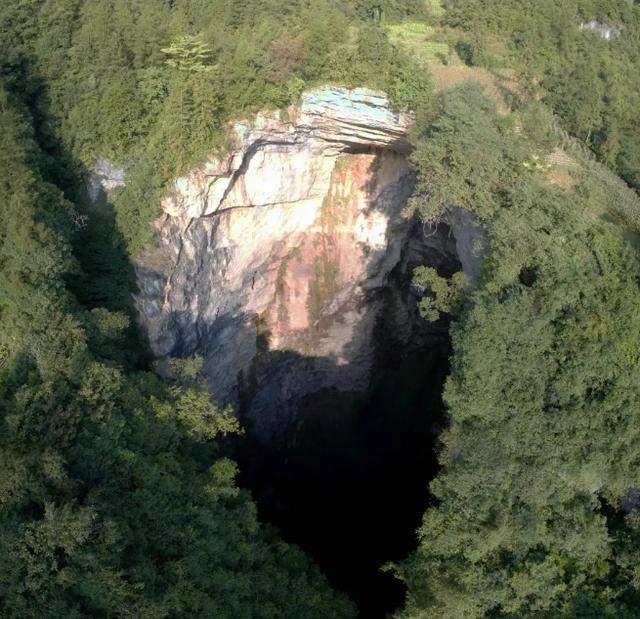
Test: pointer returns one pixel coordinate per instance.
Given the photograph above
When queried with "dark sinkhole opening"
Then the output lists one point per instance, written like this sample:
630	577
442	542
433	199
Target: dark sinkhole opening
348	483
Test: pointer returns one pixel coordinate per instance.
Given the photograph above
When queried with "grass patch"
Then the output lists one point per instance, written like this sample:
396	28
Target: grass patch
435	8
420	40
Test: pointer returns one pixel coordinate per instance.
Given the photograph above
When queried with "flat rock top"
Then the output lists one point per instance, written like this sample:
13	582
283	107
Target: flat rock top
368	106
282	158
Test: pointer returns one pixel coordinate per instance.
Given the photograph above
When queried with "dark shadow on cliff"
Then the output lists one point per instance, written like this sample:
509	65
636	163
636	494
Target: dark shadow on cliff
343	474
347	480
106	277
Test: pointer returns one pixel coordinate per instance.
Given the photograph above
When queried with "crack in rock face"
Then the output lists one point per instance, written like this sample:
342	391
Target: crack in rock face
276	261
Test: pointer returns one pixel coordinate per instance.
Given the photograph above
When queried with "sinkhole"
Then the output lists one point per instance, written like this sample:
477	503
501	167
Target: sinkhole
304	313
347	481
351	485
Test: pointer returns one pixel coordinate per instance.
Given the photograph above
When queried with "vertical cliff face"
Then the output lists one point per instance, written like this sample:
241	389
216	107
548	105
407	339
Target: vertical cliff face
278	262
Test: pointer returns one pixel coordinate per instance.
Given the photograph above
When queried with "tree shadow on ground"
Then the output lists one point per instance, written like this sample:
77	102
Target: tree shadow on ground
106	276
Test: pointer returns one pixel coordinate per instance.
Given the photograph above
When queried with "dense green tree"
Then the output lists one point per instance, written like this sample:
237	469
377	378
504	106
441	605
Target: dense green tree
153	84
591	82
188	53
116	498
535	512
446	294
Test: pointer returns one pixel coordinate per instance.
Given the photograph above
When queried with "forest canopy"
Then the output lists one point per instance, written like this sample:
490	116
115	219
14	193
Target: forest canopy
117	496
536	511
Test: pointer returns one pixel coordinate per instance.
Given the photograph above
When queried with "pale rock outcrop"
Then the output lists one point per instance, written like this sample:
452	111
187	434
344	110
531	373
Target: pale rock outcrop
470	241
606	31
288	157
104	176
276	261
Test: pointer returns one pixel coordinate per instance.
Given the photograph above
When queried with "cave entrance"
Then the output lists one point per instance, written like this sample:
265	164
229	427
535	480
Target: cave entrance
351	485
349	482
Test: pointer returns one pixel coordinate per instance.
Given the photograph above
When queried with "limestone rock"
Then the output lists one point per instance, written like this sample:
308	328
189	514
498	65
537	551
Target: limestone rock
285	161
606	31
104	176
277	261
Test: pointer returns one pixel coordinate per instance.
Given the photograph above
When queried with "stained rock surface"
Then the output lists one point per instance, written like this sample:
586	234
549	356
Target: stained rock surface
287	157
279	261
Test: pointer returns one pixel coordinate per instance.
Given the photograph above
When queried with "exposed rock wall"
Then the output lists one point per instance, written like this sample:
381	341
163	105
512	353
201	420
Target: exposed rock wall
606	31
103	177
287	157
276	261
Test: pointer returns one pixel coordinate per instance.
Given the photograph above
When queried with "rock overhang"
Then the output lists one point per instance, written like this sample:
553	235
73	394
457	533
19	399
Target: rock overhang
279	255
326	121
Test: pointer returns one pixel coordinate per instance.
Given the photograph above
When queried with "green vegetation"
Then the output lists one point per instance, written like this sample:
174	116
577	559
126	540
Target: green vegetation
590	82
447	294
153	84
117	497
417	39
189	54
535	513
